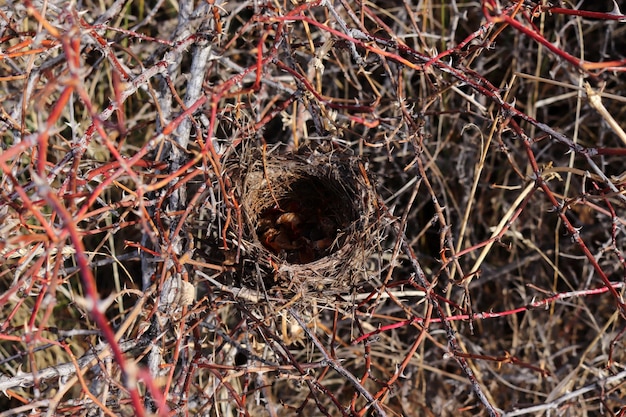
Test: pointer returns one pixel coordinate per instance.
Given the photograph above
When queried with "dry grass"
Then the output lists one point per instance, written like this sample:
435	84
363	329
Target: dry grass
478	271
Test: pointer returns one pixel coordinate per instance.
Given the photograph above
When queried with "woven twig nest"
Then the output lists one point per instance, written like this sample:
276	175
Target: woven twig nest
310	218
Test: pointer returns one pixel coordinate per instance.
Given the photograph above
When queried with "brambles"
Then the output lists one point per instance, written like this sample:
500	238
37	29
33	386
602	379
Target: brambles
312	208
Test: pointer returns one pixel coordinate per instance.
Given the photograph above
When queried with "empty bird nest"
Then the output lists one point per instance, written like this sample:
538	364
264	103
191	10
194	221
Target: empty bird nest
309	220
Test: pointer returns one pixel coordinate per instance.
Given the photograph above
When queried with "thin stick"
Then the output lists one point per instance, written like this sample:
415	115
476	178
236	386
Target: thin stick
596	103
336	366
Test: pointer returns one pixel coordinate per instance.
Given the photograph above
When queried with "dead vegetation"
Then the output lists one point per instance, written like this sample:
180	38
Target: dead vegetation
395	208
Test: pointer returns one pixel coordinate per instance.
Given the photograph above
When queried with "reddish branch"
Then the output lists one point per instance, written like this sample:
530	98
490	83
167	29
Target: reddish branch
490	315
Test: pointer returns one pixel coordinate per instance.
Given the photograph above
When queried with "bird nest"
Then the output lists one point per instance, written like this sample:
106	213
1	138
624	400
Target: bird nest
309	219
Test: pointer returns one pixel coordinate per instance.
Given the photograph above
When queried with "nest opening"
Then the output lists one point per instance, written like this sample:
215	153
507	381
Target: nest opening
303	220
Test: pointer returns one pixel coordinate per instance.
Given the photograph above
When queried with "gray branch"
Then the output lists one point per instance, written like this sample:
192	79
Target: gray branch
64	370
